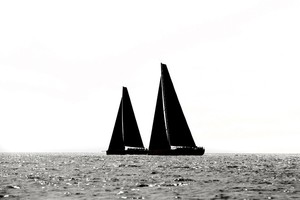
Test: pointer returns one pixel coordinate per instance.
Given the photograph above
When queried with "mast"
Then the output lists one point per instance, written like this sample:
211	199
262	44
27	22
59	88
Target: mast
178	130
159	140
132	137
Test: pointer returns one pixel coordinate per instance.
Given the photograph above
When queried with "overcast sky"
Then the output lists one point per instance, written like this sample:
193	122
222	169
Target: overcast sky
235	66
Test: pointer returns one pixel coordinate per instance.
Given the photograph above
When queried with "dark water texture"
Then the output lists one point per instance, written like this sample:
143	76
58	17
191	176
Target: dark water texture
97	176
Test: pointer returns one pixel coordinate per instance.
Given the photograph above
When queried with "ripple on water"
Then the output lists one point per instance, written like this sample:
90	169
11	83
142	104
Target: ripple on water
94	176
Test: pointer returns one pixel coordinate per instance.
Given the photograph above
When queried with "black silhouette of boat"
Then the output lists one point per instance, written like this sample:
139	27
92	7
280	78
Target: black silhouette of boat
170	132
126	138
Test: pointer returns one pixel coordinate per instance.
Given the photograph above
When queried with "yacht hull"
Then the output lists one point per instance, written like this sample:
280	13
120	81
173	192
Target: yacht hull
199	151
127	152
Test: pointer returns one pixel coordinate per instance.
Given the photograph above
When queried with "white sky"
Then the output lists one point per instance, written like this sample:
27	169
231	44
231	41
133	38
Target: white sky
235	66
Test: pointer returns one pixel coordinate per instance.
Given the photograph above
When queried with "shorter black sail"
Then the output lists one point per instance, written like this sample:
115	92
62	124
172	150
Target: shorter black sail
126	132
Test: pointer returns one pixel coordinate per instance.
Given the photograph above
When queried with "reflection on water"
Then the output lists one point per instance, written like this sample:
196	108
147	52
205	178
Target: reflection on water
97	176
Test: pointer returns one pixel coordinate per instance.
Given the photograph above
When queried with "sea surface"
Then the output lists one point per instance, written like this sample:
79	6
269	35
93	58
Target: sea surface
97	176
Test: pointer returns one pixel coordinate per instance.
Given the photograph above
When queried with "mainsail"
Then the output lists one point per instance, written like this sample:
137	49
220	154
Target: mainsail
178	130
131	133
170	128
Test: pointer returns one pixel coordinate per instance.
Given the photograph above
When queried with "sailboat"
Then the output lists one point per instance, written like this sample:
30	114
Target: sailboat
126	138
170	133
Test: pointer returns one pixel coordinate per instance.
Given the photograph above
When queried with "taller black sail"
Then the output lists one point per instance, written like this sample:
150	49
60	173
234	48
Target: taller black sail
116	142
131	133
159	140
178	130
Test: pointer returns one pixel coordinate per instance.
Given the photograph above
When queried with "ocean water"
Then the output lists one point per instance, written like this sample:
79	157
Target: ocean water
97	176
